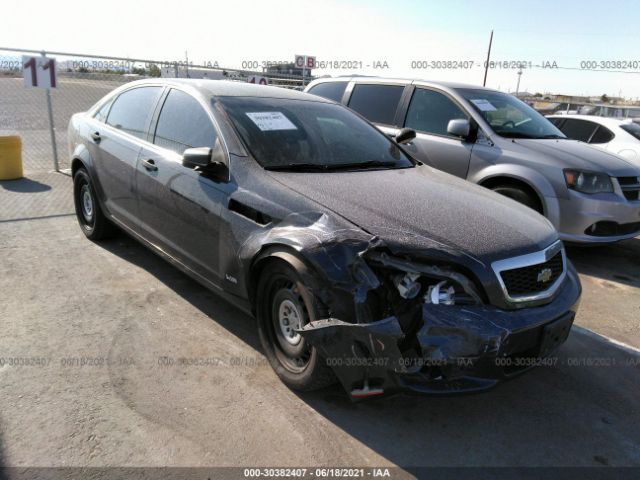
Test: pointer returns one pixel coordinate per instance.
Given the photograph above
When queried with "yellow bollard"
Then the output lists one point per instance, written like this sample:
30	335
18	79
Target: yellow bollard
10	157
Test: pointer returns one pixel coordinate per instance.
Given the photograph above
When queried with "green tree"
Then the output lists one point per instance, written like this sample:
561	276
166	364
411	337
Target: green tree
154	70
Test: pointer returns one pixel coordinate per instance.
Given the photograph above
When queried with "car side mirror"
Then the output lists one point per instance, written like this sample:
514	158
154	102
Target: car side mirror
204	156
196	157
459	127
405	136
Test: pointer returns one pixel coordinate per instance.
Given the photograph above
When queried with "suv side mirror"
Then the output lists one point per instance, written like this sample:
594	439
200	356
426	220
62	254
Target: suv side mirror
459	127
405	136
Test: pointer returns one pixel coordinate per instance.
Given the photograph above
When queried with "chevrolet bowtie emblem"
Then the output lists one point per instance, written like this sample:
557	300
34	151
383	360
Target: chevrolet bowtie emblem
545	275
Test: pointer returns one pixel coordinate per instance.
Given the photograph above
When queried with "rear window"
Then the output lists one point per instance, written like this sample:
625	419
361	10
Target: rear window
377	103
602	135
631	128
330	90
132	110
578	129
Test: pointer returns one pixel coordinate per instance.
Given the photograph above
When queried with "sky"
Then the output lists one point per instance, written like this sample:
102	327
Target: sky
399	36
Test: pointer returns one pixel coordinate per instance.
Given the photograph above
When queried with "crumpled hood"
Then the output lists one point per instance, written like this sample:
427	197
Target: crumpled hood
403	205
579	155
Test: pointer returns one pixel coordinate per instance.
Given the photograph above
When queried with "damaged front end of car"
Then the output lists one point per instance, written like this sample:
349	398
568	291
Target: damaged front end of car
417	316
424	324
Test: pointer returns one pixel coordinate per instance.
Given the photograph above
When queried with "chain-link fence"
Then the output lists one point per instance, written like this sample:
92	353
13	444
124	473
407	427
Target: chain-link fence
83	79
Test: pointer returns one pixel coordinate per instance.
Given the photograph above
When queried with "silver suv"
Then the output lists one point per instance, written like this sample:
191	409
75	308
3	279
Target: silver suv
495	140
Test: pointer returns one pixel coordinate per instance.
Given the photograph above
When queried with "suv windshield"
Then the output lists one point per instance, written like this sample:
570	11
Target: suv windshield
305	135
508	116
631	128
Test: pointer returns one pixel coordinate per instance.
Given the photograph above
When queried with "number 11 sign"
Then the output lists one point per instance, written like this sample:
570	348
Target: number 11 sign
39	72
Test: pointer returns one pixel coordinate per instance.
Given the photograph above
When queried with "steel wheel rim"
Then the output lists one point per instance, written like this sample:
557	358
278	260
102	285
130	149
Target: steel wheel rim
289	320
292	353
86	202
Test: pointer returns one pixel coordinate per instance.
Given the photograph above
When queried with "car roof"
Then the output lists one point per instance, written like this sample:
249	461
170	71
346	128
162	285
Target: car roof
610	121
227	88
405	81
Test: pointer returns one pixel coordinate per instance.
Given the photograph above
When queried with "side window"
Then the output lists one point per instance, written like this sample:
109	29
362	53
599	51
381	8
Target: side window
183	124
556	121
430	112
377	103
132	109
101	115
602	135
578	129
330	90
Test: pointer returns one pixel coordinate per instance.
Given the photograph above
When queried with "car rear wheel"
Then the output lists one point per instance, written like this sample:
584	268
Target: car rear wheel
285	304
519	195
92	220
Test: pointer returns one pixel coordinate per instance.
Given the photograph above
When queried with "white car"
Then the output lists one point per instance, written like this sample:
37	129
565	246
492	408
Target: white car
615	135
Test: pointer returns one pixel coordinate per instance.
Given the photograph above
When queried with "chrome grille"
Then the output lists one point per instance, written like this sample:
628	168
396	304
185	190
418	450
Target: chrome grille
534	276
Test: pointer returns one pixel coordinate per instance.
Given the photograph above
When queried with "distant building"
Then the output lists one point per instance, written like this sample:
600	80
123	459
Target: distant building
286	69
181	71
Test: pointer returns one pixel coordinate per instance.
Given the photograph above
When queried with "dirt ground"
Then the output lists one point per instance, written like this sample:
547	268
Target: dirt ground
89	333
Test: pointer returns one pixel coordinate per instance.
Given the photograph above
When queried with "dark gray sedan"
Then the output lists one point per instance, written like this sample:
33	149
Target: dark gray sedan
359	263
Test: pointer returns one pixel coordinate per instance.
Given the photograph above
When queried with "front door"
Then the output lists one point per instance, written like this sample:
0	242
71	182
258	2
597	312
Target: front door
429	114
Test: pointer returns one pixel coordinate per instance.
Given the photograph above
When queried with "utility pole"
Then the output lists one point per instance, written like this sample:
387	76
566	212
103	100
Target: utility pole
186	56
518	85
486	66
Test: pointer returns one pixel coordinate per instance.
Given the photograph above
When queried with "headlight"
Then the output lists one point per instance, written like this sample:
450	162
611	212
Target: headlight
588	182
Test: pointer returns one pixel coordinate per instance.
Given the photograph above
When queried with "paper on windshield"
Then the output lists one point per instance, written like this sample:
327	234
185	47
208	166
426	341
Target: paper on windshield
267	121
484	105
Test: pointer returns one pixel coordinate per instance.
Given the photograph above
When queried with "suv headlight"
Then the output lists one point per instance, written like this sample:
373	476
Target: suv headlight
588	182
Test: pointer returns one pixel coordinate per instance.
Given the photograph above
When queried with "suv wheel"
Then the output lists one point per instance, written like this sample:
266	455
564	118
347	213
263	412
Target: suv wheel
519	195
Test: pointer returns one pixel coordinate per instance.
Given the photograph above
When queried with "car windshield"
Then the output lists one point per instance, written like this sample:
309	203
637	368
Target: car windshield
287	134
632	129
510	117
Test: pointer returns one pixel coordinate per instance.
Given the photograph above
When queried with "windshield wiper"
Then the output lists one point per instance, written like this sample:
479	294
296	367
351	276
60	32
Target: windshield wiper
358	165
325	167
298	166
516	135
530	137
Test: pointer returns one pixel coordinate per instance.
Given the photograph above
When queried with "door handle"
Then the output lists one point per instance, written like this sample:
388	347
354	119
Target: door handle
96	137
150	165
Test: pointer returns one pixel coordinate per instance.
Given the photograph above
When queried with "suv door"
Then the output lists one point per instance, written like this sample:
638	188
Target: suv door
118	147
429	113
378	103
180	207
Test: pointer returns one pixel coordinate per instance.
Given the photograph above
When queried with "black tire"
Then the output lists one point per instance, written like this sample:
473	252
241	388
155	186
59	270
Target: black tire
92	220
520	195
300	366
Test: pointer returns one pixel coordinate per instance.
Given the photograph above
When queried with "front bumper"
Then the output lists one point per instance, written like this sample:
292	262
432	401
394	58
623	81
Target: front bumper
457	349
581	211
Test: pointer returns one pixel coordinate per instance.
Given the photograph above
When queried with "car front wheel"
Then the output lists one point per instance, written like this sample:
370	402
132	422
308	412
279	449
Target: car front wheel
284	305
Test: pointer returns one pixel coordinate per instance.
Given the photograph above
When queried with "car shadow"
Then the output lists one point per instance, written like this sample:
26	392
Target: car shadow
569	413
618	262
24	185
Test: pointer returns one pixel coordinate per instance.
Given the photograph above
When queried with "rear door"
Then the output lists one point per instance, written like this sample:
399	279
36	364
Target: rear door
578	129
428	113
330	90
119	141
180	207
379	103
